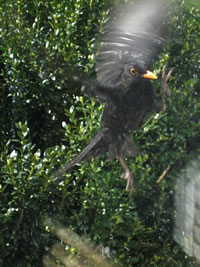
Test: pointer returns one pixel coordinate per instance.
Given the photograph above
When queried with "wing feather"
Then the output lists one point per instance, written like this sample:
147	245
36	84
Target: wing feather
137	35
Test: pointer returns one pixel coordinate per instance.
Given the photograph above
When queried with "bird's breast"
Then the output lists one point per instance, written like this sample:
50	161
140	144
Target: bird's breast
126	114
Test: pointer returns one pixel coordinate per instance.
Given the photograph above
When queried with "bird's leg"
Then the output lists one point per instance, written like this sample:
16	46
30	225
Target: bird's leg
165	78
126	175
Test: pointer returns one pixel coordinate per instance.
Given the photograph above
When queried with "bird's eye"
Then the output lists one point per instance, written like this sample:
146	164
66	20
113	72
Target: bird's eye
133	71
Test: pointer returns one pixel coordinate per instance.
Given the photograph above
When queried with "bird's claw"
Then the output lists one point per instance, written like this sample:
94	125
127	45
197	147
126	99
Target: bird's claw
165	78
128	176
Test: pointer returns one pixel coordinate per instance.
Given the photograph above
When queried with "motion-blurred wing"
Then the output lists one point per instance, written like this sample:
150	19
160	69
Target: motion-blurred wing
137	35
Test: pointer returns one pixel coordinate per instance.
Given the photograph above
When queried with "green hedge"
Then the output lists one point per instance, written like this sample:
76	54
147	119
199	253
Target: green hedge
45	122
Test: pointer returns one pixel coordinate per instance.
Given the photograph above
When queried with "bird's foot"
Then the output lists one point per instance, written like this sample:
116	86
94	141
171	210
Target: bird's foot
165	78
130	182
127	175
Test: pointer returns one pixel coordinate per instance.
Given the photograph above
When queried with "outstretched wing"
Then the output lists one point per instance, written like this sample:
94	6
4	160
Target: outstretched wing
137	35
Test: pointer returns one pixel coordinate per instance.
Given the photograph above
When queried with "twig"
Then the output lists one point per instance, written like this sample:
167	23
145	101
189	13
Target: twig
163	174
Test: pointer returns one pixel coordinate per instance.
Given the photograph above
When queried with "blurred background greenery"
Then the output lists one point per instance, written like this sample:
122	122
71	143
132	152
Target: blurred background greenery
45	122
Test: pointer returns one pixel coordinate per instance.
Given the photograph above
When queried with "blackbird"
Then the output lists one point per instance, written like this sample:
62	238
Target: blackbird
130	44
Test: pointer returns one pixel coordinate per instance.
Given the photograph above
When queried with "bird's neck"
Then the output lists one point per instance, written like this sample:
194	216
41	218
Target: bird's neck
140	88
139	93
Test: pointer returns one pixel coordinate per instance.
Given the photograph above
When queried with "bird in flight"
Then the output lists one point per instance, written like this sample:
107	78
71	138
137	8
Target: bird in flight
129	46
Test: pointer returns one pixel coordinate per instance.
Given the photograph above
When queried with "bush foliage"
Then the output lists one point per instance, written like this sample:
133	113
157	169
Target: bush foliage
45	122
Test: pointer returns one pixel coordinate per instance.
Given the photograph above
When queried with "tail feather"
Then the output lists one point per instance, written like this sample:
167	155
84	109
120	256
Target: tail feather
95	148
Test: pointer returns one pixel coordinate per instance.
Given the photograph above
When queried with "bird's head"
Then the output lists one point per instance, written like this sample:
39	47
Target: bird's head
130	45
133	73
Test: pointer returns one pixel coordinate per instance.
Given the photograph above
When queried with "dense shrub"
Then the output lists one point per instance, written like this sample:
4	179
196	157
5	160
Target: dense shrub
45	122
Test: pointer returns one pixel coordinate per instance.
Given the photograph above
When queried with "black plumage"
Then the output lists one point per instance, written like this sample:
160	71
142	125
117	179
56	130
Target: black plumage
123	82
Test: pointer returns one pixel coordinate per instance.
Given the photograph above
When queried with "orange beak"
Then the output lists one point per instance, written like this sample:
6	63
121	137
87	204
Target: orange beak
149	75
